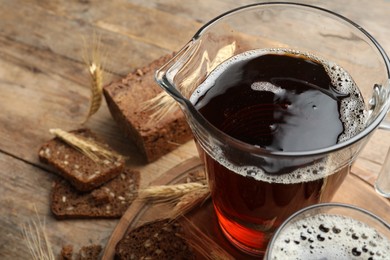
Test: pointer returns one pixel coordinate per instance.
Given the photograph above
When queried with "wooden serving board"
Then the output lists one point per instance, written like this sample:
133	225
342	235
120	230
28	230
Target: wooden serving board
353	191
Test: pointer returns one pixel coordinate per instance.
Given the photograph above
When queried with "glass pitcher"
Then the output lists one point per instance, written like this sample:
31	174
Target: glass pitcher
250	197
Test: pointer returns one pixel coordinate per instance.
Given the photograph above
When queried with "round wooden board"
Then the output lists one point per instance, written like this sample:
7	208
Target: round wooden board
353	191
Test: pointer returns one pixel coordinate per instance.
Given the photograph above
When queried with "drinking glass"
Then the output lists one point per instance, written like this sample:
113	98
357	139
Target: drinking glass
382	183
331	231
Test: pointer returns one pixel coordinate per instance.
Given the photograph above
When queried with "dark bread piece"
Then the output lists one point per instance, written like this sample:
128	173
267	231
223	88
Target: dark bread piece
109	201
81	171
66	253
125	99
91	252
154	240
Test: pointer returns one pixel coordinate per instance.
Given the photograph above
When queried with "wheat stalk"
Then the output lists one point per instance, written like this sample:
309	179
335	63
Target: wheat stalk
189	201
92	150
36	239
95	70
159	106
181	197
168	193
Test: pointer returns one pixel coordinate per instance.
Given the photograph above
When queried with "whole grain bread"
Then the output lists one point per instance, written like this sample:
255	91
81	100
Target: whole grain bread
66	253
126	101
81	171
108	201
90	252
154	240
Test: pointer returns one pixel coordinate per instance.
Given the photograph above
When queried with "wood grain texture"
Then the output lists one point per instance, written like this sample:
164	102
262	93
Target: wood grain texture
44	84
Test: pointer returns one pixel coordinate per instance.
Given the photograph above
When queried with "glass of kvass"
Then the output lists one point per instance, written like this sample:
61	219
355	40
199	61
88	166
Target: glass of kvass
331	231
281	97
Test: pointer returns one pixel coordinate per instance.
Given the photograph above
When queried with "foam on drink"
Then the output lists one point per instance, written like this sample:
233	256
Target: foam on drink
327	236
352	114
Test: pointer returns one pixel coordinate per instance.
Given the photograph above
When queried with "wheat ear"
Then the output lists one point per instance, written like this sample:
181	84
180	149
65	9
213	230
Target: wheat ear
189	201
168	193
181	197
95	70
92	150
159	106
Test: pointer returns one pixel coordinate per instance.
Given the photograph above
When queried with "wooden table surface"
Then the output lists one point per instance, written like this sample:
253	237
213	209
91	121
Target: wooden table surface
44	84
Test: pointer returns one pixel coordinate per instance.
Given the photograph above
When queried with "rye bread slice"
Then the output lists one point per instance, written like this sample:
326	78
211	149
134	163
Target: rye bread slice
126	101
108	201
66	253
81	171
90	252
154	240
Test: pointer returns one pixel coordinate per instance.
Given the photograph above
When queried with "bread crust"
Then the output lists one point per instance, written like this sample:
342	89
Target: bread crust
125	99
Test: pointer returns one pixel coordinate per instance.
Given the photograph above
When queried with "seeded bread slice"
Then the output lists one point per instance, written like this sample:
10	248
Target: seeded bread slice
154	240
81	171
108	201
91	252
66	253
126	100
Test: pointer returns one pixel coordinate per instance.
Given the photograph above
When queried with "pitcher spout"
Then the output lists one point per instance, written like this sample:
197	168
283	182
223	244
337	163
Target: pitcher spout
170	76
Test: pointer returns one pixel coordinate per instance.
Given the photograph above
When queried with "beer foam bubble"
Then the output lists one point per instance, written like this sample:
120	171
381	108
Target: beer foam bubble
352	112
327	236
352	109
267	86
316	171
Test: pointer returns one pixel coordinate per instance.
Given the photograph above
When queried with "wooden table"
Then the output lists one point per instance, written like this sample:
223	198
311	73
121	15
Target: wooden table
44	84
